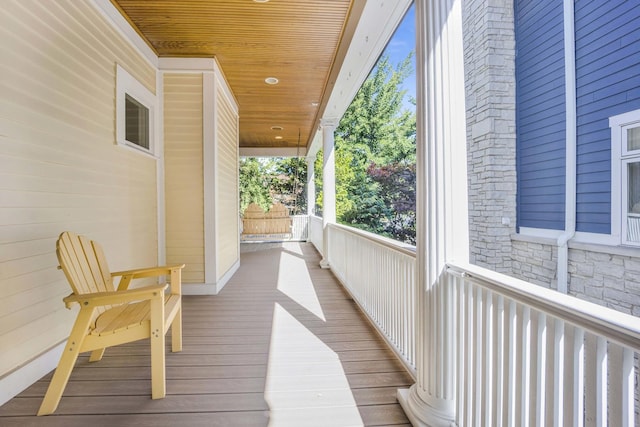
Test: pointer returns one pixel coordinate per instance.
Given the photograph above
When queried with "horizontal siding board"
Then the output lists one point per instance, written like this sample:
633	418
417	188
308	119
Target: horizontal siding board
184	185
607	80
540	111
540	147
60	168
227	188
545	160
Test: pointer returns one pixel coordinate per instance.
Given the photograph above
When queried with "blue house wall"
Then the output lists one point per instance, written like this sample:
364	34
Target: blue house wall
607	84
540	107
607	47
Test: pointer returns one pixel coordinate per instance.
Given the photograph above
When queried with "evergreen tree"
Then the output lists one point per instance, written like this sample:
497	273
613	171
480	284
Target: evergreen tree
375	130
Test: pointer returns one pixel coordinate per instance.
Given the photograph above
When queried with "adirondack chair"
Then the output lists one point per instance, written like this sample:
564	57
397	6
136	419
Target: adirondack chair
110	316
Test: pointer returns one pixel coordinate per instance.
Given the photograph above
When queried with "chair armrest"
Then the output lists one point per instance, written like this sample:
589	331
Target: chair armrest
148	272
97	299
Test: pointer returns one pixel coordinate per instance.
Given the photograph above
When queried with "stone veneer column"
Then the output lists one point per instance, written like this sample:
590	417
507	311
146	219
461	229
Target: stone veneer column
328	184
489	62
442	214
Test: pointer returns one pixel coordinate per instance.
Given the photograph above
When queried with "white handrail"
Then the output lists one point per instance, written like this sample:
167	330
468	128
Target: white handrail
379	273
616	326
528	355
524	354
315	234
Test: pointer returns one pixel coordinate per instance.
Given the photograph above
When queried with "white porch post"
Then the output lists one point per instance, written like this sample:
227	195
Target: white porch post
442	219
328	185
311	186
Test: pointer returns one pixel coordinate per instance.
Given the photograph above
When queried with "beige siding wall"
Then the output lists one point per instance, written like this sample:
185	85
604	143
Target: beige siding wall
60	168
227	204
184	188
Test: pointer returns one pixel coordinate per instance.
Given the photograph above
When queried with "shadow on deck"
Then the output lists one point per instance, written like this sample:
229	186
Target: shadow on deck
281	345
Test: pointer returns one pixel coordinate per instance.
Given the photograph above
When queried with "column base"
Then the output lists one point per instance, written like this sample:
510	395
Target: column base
420	413
324	264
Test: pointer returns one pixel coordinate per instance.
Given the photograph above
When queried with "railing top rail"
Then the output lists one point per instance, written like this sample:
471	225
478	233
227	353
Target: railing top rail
395	245
616	326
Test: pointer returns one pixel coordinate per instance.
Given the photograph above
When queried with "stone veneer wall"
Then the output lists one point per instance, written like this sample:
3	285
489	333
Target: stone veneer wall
612	280
597	275
535	261
489	60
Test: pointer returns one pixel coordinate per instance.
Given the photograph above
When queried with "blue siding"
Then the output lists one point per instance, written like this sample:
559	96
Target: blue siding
607	84
540	113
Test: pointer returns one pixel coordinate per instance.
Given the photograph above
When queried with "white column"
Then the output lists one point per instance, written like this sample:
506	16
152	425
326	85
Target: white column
311	186
328	184
442	214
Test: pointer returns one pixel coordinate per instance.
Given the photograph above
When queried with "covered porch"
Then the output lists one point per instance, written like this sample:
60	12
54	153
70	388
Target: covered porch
282	344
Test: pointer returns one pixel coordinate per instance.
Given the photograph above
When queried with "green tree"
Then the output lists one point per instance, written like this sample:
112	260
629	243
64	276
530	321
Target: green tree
254	184
288	183
375	130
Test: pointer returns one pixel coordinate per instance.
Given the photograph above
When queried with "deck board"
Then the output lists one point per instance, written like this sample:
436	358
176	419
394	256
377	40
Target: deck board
281	345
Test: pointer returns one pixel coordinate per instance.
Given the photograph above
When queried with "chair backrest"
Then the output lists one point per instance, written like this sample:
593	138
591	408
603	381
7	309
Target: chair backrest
83	263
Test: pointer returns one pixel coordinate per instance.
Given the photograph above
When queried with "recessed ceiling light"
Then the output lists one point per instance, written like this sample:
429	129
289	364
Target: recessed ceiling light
271	81
277	128
315	104
278	137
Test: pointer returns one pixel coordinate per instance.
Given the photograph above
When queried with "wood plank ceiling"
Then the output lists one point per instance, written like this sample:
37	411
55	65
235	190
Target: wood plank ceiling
300	42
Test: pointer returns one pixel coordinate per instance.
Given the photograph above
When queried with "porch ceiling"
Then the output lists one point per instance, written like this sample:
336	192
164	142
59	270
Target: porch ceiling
300	42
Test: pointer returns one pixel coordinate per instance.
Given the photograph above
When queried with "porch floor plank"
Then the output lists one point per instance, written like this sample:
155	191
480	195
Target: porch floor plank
281	345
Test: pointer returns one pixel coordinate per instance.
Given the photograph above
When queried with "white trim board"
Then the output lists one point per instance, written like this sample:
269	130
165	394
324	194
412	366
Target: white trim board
23	377
210	288
113	15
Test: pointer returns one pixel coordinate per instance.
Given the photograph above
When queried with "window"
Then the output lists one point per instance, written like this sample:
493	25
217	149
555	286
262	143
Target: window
135	108
625	139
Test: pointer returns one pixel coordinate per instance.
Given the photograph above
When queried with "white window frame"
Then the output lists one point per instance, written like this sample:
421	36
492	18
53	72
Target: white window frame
126	84
620	158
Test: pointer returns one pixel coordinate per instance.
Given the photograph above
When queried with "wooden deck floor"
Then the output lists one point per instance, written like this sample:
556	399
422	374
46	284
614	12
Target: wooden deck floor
281	345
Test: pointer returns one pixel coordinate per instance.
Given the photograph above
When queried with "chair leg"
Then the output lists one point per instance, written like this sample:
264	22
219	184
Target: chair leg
96	355
176	332
158	386
65	366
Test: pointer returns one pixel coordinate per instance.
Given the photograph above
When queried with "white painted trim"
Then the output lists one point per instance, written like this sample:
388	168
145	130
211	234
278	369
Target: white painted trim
210	288
596	238
209	160
618	173
20	379
113	16
126	84
376	26
540	232
272	152
580	238
625	119
628	251
226	89
186	65
227	275
616	178
570	146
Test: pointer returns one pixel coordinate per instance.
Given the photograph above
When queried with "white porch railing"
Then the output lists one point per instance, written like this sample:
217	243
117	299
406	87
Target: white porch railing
315	234
525	355
528	355
299	227
379	273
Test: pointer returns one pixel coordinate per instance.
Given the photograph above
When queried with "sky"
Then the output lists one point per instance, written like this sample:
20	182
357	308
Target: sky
402	42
